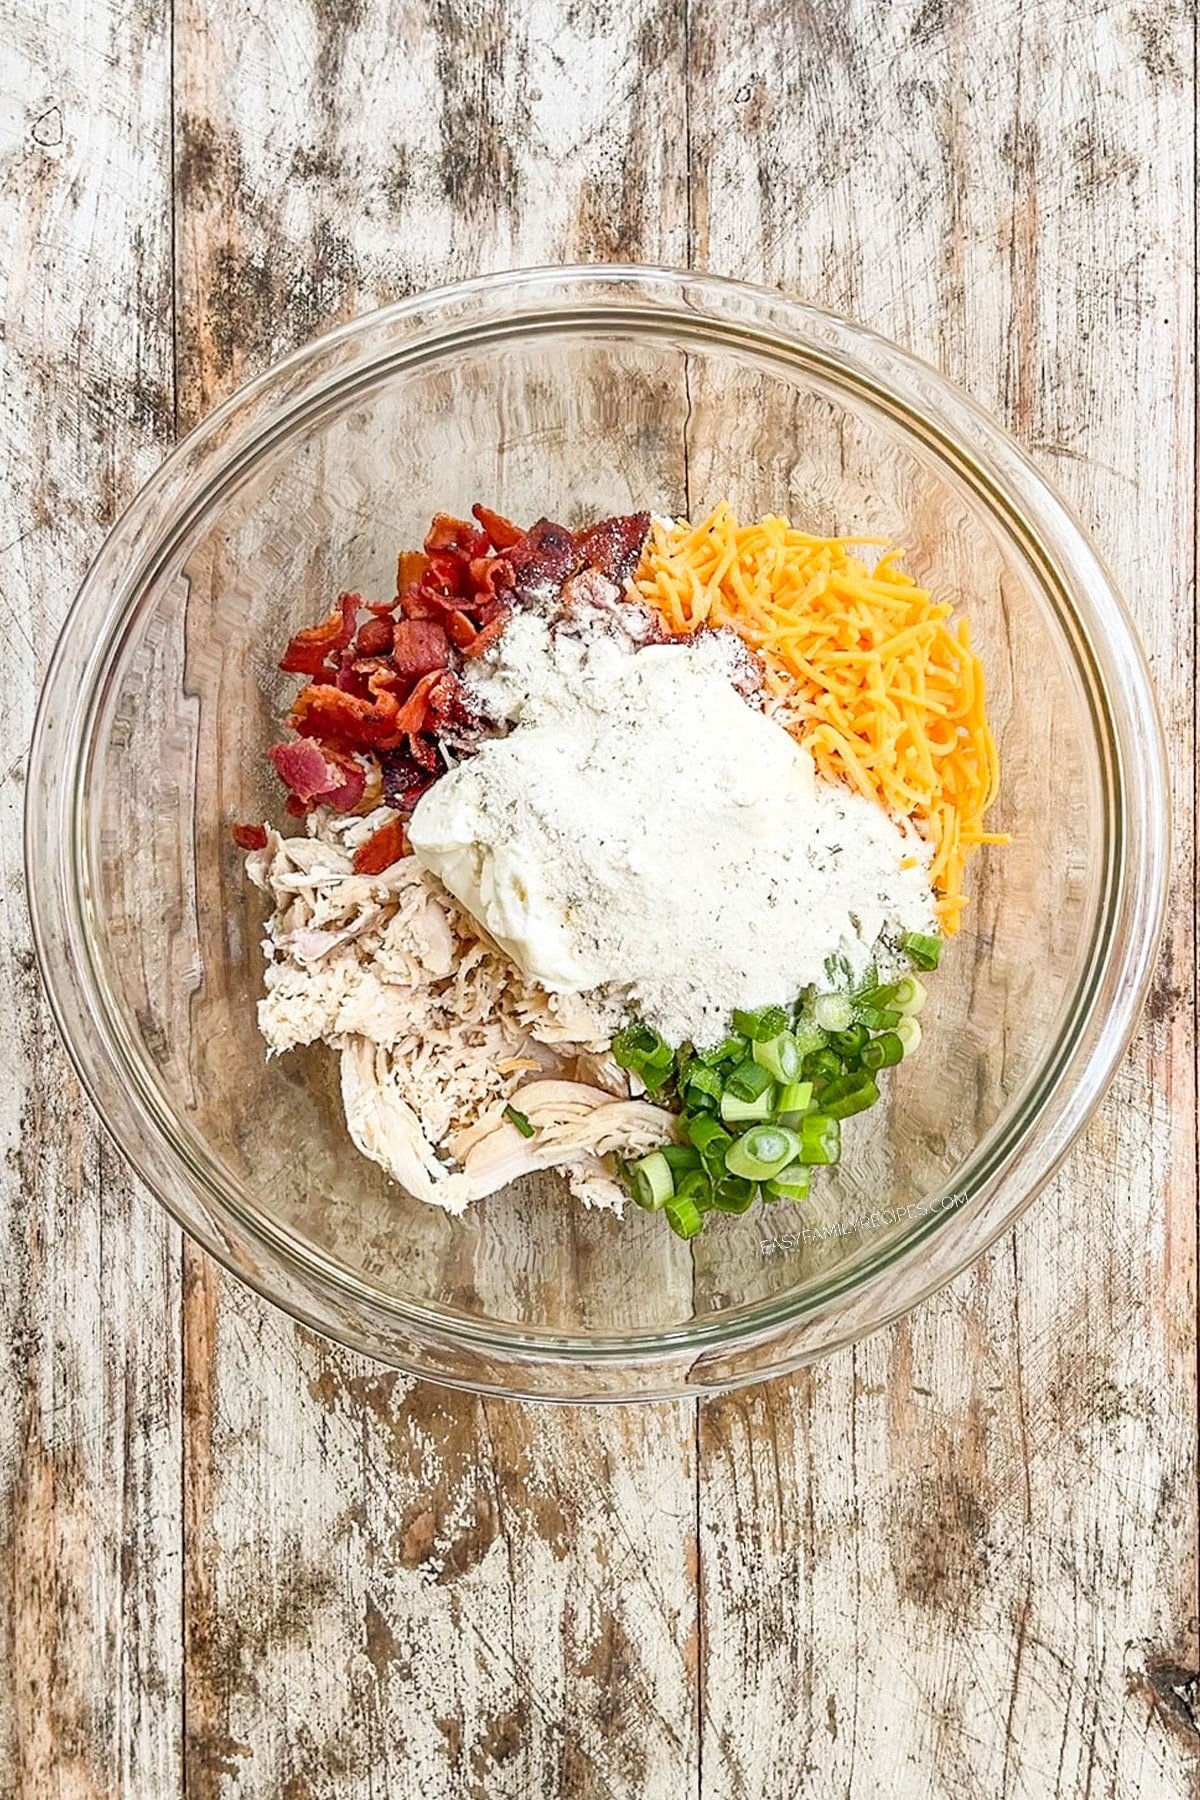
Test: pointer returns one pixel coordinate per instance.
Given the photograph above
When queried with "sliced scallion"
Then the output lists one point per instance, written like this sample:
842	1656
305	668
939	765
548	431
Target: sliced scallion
909	1033
681	1158
761	1152
730	1049
651	1181
833	1012
922	949
684	1217
808	1035
822	1065
793	1183
779	1056
850	1041
748	1080
793	1102
882	1052
705	1134
703	1085
848	1095
820	1139
766	1022
879	1018
908	995
518	1118
736	1111
733	1195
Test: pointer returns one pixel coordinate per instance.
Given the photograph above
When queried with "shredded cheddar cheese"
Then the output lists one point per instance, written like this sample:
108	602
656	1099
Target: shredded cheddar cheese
863	667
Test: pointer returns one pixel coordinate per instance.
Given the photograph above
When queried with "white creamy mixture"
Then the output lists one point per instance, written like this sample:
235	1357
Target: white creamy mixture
646	832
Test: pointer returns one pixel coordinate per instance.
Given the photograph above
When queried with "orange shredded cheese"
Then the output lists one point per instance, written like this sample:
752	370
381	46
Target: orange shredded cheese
863	667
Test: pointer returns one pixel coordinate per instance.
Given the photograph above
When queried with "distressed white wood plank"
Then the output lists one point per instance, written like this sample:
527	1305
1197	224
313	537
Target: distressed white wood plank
394	1589
961	1559
90	1633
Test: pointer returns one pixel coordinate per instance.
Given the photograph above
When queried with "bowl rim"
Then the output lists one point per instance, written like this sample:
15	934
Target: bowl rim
963	433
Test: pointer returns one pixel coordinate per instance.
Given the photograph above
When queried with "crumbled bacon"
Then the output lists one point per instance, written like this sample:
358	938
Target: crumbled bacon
322	711
459	535
250	837
374	638
500	530
319	773
614	547
543	559
388	694
308	651
404	778
382	849
419	646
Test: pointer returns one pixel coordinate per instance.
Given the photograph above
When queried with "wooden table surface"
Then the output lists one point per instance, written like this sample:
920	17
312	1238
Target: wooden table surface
960	1559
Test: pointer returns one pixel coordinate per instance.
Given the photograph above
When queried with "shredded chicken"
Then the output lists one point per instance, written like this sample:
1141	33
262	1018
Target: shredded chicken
438	1031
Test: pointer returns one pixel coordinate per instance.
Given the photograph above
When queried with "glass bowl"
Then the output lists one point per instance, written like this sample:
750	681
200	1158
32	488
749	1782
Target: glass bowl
578	392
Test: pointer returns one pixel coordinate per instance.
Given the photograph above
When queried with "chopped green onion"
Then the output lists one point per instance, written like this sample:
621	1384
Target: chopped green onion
762	1151
925	951
779	1056
808	1035
736	1111
681	1158
766	1022
850	1094
908	995
730	1049
833	1012
684	1217
702	1081
909	1033
822	1065
518	1119
793	1102
850	1041
793	1183
748	1080
697	1186
820	1139
734	1195
651	1181
706	1134
882	1052
879	1018
644	1053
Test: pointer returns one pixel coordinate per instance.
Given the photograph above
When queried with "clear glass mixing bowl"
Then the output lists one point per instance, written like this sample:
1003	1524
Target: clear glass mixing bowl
577	393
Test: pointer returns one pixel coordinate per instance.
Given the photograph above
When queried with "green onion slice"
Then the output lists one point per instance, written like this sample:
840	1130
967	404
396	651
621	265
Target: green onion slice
833	1012
766	1022
651	1181
748	1080
779	1056
795	1183
922	949
684	1217
793	1102
909	1033
518	1118
820	1139
736	1111
761	1152
882	1052
848	1095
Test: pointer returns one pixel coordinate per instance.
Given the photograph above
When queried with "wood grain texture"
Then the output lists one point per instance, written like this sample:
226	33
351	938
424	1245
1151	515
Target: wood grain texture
89	1363
976	1533
959	1560
394	1589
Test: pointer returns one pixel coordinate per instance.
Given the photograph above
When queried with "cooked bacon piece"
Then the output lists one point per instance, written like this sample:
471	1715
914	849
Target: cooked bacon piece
374	638
490	576
404	778
424	753
501	531
415	711
445	573
323	774
382	849
323	711
614	546
449	533
487	636
250	837
452	715
460	630
421	645
410	566
308	650
543	559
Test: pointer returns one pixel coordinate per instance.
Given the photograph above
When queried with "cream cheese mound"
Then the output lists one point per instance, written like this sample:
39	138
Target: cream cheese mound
644	831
